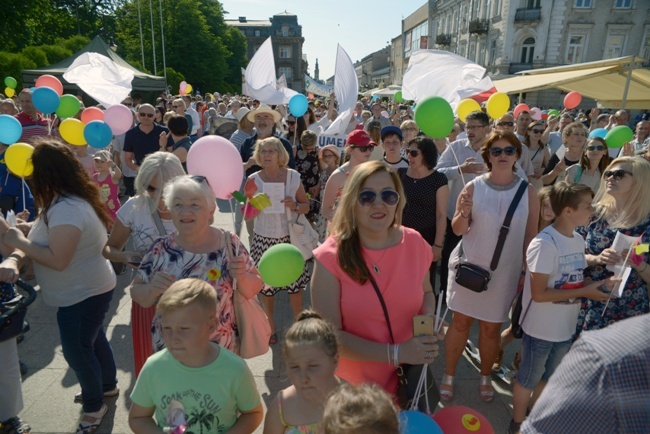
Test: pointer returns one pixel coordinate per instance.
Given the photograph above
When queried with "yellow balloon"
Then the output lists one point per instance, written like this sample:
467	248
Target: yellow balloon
465	107
18	159
9	92
72	131
188	90
497	105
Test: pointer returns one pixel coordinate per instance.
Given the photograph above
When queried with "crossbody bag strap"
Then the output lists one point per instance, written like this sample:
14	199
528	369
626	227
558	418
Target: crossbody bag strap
383	306
159	224
505	228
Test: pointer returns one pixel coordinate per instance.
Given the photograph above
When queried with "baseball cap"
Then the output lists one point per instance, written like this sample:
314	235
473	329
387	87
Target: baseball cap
359	138
391	129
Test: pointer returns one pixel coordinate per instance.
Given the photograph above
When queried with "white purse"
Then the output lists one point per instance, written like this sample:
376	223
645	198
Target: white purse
301	233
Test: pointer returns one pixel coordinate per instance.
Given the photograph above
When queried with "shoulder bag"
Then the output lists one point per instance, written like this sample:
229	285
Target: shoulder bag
14	310
301	233
477	278
408	376
253	325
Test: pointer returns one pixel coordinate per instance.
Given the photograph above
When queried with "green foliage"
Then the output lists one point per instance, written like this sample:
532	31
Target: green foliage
12	64
74	43
36	55
174	78
55	53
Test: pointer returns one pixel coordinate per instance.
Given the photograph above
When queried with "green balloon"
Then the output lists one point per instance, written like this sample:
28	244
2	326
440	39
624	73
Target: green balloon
553	112
617	137
11	82
281	265
69	106
435	117
398	96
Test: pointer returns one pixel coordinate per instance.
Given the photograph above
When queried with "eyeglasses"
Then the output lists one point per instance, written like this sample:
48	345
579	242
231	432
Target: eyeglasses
362	148
413	152
596	148
291	122
151	189
616	174
177	106
328	155
537	131
149	115
128	104
508	150
268	152
505	124
409	129
369	197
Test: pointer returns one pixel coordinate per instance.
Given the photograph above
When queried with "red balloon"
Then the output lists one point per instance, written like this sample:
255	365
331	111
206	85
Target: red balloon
49	81
572	100
521	108
459	420
92	114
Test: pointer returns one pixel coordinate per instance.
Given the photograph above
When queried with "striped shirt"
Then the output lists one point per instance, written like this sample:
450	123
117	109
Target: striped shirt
32	128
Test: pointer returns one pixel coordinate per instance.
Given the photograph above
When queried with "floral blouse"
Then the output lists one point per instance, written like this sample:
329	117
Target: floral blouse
167	256
599	236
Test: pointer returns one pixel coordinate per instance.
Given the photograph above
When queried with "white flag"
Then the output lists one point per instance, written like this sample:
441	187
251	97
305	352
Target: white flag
261	81
101	78
346	88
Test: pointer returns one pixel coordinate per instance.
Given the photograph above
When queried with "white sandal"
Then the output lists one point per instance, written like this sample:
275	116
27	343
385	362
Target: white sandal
448	382
486	395
89	427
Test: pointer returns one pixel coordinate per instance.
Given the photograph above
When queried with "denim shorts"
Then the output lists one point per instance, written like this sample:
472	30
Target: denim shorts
539	359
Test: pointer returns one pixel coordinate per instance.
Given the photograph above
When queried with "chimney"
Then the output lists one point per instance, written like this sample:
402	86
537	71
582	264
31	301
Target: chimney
242	19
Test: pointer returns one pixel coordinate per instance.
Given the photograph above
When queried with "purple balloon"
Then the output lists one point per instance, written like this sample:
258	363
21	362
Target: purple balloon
119	117
219	161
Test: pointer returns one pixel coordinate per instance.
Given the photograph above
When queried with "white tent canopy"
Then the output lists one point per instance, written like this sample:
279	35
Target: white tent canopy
388	91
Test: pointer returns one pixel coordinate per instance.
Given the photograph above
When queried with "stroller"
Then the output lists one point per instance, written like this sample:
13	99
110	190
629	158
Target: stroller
13	312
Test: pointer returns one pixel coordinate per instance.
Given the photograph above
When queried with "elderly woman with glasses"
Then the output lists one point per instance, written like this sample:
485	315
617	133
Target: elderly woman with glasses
539	154
196	249
593	163
369	255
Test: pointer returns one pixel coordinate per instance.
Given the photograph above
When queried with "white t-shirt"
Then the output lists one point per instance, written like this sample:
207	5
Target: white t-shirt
196	120
275	225
135	215
88	273
563	259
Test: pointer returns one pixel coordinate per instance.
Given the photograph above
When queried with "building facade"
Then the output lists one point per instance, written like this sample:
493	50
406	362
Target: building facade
287	42
374	69
415	36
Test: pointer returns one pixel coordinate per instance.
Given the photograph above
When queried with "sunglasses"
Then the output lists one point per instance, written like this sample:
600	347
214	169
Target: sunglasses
151	189
362	148
506	124
616	174
537	131
369	197
413	152
508	150
596	148
291	122
199	179
128	104
177	106
149	115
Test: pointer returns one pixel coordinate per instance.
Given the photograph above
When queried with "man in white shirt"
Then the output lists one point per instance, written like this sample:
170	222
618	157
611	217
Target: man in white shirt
196	119
523	120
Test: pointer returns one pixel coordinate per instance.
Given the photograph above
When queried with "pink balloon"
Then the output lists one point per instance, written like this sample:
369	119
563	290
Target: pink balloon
120	118
92	114
183	86
521	108
219	161
536	114
49	81
572	100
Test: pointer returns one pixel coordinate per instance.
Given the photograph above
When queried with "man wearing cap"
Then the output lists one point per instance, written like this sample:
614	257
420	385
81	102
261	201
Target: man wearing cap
245	129
391	141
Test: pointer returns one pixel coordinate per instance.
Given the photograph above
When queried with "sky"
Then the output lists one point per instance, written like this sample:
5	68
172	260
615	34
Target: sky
360	26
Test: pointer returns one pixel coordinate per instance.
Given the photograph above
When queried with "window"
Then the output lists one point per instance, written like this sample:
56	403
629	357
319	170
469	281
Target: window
285	51
258	33
575	49
614	46
497	8
622	4
527	50
285	30
481	53
472	52
645	44
580	4
288	73
413	39
493	52
532	4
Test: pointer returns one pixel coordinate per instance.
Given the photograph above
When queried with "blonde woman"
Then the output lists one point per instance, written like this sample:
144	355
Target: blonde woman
592	164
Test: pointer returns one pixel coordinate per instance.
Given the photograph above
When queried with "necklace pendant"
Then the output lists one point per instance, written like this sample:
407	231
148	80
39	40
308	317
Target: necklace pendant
376	268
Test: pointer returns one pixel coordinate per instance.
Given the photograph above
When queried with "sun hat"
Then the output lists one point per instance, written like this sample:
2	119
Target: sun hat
264	109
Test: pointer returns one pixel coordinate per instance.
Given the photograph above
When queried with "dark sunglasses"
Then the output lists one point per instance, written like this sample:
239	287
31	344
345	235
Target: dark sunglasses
596	148
413	152
199	179
128	104
291	122
537	131
508	150
177	106
363	148
369	197
149	115
506	124
151	189
616	174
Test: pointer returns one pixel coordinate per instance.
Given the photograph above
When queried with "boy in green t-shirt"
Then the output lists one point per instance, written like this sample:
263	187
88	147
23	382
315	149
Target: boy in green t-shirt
193	383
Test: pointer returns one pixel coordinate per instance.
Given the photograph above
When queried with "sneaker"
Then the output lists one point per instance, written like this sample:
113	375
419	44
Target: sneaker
15	425
514	427
496	367
108	394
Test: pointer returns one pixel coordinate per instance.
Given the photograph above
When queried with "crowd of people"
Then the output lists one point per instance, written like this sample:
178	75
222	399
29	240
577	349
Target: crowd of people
501	211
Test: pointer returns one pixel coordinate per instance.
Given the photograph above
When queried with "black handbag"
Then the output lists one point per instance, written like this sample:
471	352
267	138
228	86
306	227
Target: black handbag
408	376
477	278
12	312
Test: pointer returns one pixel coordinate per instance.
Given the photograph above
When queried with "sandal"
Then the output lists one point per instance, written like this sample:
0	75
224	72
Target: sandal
273	339
15	425
447	387
486	389
496	366
90	421
108	394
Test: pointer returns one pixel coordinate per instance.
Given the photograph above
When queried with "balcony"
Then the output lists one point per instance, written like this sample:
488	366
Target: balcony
479	27
526	15
518	67
444	39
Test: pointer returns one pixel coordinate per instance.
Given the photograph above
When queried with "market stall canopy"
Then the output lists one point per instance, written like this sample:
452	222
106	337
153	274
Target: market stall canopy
605	81
388	91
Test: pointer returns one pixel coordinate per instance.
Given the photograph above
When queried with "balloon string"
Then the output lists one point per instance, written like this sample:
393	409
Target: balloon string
458	163
232	215
24	206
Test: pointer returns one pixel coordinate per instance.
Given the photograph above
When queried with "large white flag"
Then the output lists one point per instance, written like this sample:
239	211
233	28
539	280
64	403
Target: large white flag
312	86
346	88
261	81
444	74
101	78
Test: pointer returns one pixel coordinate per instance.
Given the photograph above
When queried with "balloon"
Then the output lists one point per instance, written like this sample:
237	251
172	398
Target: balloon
458	420
298	105
68	107
435	117
375	97
11	83
98	134
544	115
72	131
219	161
45	99
281	265
465	107
183	86
18	158
398	96
536	114
520	108
51	82
119	117
92	114
619	136
9	92
553	112
598	132
572	100
498	104
415	422
10	129
188	89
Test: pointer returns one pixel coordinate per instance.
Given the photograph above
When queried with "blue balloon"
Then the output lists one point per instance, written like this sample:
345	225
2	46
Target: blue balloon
45	99
415	422
598	132
32	89
10	129
298	105
98	134
375	97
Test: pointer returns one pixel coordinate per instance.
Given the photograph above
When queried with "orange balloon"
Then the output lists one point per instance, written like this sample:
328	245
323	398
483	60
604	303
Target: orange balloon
92	114
50	81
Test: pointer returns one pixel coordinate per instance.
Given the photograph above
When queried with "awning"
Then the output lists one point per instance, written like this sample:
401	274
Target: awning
530	83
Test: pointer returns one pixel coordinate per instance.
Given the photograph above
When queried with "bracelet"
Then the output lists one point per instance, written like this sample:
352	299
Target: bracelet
396	355
435	245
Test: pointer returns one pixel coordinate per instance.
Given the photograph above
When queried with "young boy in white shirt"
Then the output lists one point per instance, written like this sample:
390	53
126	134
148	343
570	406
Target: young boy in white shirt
552	291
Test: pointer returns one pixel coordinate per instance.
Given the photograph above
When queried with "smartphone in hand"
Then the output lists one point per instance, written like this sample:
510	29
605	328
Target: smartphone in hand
422	325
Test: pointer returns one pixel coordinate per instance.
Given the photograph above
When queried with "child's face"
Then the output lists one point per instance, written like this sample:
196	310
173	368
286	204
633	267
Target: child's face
186	332
584	212
311	370
547	212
